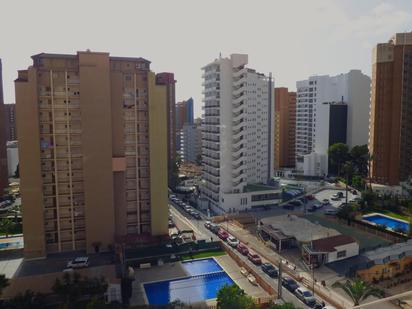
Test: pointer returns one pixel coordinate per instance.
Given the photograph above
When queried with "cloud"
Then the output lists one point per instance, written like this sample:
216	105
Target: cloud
381	22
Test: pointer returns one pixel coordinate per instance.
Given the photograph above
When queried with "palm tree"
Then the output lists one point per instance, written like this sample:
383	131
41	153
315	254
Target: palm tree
348	170
358	290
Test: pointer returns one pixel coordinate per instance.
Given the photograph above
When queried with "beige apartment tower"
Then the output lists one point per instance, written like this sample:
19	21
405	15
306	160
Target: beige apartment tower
93	152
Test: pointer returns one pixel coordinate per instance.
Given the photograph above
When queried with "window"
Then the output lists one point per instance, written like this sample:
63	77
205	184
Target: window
341	254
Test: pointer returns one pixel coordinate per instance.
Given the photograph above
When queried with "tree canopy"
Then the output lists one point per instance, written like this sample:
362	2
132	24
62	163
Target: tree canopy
232	297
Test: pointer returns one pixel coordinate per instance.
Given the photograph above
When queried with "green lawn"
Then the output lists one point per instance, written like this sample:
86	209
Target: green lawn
205	254
396	215
365	240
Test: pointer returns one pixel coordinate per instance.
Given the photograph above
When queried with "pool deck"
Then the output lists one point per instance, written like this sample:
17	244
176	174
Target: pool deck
175	270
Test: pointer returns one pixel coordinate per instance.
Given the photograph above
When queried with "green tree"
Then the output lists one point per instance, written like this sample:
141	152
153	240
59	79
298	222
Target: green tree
358	290
357	182
409	229
338	154
6	226
232	297
26	300
359	156
347	212
72	287
4	283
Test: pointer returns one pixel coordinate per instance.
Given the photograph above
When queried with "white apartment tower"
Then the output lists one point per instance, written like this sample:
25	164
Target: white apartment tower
314	120
237	139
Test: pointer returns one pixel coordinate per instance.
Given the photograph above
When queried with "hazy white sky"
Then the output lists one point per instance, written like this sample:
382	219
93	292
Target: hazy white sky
293	38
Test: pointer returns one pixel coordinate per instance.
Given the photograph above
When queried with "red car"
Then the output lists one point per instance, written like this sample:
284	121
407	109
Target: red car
254	258
310	197
241	247
223	234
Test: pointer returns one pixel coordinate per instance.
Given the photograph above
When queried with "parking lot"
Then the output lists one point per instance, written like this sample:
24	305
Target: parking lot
328	193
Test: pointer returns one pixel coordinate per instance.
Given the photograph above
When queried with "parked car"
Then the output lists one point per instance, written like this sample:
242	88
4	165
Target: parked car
325	202
296	203
335	197
207	224
340	194
79	262
232	241
241	247
188	208
305	296
254	258
289	283
171	223
354	192
196	215
244	271
289	206
223	235
252	279
309	197
214	228
317	205
270	270
331	211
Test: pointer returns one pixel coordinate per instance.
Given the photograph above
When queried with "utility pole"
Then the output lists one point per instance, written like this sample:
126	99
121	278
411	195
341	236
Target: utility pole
280	280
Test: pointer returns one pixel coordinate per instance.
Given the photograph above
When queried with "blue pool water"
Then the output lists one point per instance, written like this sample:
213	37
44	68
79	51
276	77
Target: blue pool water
391	223
200	267
4	245
205	280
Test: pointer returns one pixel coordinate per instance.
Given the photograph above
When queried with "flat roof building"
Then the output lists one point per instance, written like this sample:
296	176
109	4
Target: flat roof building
93	152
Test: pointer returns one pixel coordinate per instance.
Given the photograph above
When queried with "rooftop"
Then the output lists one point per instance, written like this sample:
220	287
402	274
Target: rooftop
73	56
301	229
329	244
258	187
390	253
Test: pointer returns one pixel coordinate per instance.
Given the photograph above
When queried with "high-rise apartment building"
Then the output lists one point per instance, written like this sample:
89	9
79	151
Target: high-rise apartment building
10	121
313	111
168	79
191	142
285	124
237	140
390	140
184	114
93	152
3	139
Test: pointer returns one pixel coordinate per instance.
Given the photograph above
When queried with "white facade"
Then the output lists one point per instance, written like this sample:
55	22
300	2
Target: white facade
312	116
343	252
237	138
191	142
12	157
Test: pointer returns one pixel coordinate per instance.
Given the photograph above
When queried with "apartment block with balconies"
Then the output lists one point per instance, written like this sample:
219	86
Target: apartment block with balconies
91	143
237	143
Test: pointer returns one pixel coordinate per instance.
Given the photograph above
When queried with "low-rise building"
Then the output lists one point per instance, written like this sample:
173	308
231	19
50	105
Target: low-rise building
329	249
386	263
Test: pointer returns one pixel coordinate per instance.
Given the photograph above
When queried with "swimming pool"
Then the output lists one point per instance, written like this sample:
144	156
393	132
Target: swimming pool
205	279
389	222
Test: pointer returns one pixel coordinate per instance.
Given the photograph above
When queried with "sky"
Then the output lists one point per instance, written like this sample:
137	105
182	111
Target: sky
293	39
